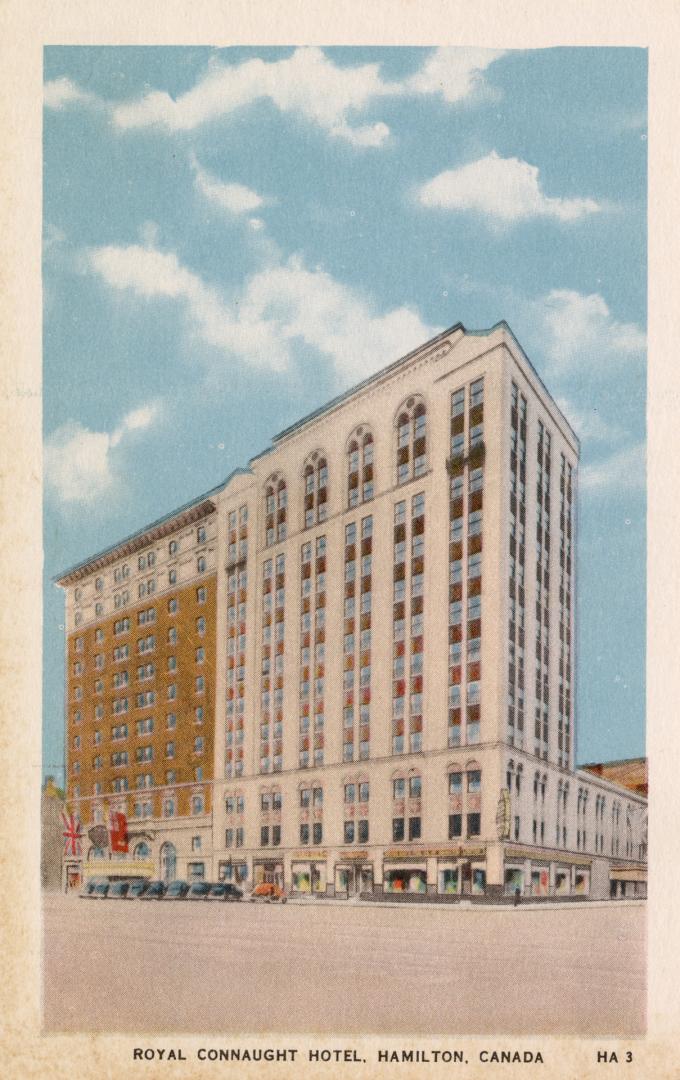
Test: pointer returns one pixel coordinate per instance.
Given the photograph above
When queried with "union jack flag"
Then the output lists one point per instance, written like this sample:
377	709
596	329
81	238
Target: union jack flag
72	834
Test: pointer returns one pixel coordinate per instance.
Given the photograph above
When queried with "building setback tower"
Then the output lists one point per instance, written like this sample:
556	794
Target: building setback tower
351	667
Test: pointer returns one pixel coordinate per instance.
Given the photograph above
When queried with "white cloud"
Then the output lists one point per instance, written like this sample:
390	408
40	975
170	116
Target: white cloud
454	73
305	84
310	305
580	328
280	306
232	197
136	420
79	465
504	189
61	92
624	470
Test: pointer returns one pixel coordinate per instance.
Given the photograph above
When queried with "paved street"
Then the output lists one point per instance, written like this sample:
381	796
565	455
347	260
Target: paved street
129	966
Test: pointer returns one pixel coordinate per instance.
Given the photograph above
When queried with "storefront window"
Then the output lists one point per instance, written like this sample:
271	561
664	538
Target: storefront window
582	882
405	879
561	882
235	872
514	879
540	881
302	880
478	882
309	877
448	880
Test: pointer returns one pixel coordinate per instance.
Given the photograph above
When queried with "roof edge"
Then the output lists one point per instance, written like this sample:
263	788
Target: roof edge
62	578
380	374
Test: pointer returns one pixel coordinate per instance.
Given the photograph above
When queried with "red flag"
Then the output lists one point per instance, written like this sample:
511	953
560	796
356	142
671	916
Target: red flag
118	829
72	834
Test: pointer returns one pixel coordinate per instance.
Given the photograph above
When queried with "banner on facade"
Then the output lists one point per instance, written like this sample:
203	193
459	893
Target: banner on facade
119	833
503	815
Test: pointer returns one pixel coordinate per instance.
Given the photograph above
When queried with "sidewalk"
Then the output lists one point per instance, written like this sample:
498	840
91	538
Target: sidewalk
464	905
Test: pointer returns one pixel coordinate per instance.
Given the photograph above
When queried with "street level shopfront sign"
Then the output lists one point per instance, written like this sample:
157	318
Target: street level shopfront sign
541	854
311	854
436	853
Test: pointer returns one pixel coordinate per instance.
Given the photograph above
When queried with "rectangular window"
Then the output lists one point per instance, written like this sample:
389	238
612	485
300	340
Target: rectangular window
455	826
397	829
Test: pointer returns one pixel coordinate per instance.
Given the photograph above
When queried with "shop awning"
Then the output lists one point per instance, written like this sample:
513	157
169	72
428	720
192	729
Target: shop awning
124	868
627	873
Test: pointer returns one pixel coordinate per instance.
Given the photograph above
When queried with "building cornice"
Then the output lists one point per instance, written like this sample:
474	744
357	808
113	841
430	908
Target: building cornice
421	354
179	519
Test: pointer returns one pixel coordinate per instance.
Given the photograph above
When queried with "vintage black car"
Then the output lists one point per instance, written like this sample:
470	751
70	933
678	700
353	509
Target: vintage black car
118	889
137	887
176	890
224	890
198	890
155	890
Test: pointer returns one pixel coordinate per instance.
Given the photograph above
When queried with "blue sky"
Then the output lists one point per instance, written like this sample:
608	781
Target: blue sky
232	236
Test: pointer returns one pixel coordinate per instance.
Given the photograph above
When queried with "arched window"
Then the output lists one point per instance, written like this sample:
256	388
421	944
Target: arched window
315	482
360	486
142	851
411	429
275	508
168	862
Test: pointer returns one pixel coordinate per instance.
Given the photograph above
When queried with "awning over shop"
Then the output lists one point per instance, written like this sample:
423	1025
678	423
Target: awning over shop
627	873
124	868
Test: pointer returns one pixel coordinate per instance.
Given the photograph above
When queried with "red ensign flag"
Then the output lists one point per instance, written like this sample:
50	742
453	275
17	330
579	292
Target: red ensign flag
72	834
118	829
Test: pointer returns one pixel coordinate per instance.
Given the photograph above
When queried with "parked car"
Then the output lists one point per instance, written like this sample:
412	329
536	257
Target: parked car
198	890
138	887
224	890
89	887
176	890
155	890
269	892
101	888
118	889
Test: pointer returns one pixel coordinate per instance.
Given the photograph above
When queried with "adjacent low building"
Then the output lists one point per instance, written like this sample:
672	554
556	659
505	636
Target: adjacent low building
51	836
351	667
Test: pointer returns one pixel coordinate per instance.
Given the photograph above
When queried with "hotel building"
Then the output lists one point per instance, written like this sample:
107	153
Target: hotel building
351	667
